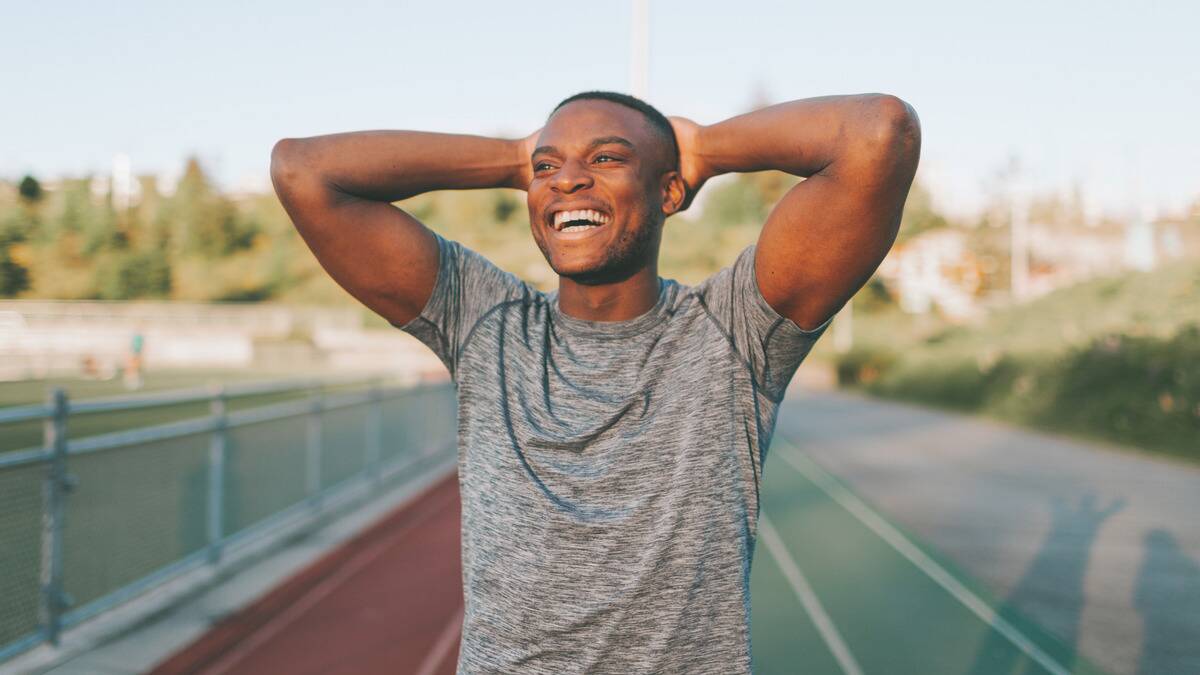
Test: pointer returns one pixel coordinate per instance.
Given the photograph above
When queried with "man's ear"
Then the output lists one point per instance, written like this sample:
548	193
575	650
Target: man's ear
674	193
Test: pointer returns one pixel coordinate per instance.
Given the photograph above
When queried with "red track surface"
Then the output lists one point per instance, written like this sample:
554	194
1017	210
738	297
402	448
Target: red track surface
388	601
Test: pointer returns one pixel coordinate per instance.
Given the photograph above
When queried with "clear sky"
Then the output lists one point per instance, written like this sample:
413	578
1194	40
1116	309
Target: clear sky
1103	94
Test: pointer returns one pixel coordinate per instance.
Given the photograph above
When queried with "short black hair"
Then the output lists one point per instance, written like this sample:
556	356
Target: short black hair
658	121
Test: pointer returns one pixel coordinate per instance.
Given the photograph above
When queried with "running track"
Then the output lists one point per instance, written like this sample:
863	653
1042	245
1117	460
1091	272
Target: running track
836	589
389	601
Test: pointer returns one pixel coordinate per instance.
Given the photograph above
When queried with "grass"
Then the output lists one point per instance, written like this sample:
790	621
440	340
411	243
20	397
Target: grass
24	435
1113	359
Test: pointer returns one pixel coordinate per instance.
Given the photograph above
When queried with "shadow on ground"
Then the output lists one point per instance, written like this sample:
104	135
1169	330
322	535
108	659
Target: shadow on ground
1168	598
1061	564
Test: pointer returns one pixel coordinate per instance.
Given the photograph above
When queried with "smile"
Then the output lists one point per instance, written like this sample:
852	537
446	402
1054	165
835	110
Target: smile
578	220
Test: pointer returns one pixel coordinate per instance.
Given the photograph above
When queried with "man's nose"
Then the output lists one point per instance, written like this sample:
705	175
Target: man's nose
571	177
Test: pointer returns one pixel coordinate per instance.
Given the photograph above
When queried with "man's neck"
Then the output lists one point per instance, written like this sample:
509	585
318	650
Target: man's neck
620	301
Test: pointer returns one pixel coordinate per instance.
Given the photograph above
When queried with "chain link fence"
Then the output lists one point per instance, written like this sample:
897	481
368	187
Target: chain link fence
89	522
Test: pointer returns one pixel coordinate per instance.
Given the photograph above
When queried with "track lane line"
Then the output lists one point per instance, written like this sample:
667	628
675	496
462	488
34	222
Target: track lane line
898	541
318	592
808	598
441	648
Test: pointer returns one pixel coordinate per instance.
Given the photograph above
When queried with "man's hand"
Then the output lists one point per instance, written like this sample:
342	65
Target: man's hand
526	147
692	168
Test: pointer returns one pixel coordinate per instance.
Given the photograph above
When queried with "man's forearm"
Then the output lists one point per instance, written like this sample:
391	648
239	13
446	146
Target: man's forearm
800	137
392	165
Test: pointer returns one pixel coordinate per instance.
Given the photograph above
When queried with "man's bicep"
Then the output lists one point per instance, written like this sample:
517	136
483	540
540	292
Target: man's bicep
382	256
828	234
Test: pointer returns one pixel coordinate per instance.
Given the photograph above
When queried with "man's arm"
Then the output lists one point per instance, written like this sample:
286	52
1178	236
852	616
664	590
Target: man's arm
338	191
826	236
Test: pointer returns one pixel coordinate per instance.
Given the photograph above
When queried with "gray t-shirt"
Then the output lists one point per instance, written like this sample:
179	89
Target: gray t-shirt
609	471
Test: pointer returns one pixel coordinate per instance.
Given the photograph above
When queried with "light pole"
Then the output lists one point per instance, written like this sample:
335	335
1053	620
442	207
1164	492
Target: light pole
639	49
1019	227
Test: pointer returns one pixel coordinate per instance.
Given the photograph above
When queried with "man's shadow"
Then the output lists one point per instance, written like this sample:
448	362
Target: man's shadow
1051	588
1168	598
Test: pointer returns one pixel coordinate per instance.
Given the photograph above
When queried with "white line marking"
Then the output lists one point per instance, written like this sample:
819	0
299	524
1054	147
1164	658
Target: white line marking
867	516
315	594
444	642
812	605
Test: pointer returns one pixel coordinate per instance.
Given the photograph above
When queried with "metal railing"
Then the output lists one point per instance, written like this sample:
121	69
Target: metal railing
88	523
256	318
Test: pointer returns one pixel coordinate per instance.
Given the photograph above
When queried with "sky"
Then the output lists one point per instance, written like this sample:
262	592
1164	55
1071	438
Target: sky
1101	95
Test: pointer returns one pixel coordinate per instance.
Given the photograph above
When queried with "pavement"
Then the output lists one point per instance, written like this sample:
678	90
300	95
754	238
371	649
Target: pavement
1096	544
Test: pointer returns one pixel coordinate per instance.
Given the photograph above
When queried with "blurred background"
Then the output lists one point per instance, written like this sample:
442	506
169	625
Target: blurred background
1045	282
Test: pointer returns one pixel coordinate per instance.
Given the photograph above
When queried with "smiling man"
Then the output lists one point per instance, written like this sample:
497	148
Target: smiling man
611	434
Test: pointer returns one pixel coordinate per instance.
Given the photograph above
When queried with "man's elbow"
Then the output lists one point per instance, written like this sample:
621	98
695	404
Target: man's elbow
893	124
286	162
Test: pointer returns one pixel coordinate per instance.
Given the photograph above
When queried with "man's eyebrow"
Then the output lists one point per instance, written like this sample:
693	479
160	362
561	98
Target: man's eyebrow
606	140
596	142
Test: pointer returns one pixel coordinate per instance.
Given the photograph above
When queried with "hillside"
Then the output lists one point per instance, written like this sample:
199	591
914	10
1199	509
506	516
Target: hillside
1114	359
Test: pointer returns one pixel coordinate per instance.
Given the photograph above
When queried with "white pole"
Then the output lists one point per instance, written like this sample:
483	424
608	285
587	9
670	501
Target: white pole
639	49
122	182
1020	248
843	329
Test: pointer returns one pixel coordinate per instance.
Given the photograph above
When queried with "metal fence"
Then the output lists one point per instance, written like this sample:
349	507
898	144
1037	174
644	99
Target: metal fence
87	523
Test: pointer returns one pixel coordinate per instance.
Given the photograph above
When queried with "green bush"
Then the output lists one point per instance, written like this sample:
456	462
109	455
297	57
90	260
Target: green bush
1140	390
1114	358
13	277
129	275
863	366
1137	390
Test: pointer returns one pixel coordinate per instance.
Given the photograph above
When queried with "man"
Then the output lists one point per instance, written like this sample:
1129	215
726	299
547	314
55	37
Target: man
612	433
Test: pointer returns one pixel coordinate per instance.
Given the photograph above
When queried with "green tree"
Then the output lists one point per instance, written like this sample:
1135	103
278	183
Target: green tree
30	190
503	206
79	213
14	277
128	275
201	220
747	198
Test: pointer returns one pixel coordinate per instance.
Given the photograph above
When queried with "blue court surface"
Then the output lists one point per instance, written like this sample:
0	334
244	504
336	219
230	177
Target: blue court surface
837	588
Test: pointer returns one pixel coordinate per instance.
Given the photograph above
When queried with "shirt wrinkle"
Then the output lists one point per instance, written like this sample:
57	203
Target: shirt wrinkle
609	471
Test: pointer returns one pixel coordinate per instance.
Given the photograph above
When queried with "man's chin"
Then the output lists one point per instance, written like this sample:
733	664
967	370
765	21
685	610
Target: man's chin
578	271
594	272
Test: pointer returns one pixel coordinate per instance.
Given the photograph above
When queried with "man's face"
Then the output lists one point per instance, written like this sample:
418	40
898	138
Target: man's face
604	160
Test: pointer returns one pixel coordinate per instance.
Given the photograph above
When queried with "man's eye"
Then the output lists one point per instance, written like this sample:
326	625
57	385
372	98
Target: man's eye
541	165
600	157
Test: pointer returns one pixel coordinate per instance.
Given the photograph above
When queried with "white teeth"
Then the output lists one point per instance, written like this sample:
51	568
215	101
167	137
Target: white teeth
584	214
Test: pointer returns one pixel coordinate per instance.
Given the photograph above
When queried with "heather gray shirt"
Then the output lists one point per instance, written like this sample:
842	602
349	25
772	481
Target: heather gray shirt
609	470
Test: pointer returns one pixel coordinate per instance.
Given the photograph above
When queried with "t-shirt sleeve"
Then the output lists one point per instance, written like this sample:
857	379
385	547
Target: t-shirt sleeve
468	286
772	346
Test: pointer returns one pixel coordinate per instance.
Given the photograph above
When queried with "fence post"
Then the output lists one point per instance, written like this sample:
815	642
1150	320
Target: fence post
216	474
374	459
313	472
58	484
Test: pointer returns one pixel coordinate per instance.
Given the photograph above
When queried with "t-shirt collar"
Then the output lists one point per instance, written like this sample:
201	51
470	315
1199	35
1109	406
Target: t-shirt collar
615	329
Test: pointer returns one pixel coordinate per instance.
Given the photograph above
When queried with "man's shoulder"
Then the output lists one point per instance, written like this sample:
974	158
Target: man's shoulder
717	286
483	276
